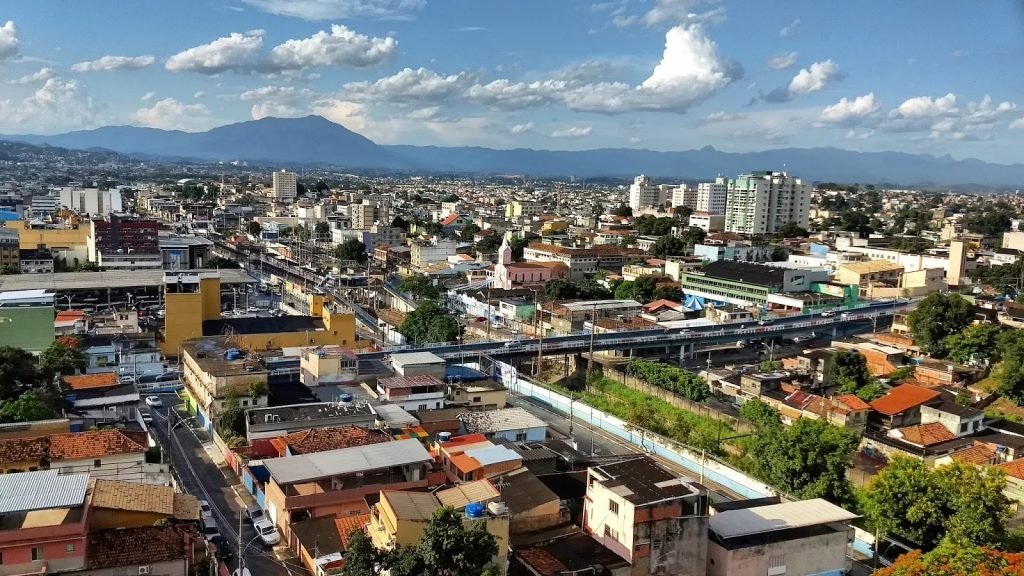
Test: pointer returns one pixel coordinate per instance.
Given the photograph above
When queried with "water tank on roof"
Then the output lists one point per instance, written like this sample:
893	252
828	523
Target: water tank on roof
497	508
443	437
474	510
232	354
345	398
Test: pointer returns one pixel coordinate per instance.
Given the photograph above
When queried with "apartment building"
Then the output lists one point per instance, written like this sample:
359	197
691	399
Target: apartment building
712	196
644	194
522	208
10	251
369	212
285	186
685	196
91	201
764	202
122	242
424	254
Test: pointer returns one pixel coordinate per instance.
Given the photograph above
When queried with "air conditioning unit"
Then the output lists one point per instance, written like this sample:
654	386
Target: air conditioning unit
143	569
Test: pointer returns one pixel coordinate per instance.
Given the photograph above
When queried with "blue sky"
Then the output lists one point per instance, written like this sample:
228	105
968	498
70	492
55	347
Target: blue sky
934	76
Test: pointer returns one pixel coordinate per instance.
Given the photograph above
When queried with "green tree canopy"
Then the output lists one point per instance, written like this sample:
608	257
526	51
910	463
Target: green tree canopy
806	460
939	316
428	324
1010	373
976	342
351	249
957	560
849	371
682	382
420	287
623	210
791	230
64	356
762	415
641	289
648	225
468	231
448	548
489	244
17	371
959	503
518	244
361	557
28	407
668	246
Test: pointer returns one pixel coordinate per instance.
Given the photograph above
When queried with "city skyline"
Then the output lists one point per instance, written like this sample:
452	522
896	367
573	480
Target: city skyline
661	74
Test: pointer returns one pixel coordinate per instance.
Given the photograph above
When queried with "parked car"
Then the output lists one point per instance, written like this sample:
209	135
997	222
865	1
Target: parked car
204	507
826	314
211	531
224	551
253	309
146	416
764	322
267	532
844	316
154	401
254	514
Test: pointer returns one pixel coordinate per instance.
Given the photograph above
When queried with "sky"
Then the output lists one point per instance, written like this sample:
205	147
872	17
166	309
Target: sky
921	76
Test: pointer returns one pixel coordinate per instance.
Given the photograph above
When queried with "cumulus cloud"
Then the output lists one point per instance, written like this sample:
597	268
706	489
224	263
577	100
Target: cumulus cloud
573	132
340	47
782	61
850	111
8	41
721	117
813	78
521	128
926	106
668	11
56	105
169	114
316	10
788	29
148	96
409	85
352	115
227	52
42	75
278	101
112	63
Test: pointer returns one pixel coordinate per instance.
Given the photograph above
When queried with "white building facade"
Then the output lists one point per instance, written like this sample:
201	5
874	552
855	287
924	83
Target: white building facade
285	186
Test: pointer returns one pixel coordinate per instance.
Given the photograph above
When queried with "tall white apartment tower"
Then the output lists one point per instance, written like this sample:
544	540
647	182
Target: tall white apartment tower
712	196
763	202
285	186
644	194
684	195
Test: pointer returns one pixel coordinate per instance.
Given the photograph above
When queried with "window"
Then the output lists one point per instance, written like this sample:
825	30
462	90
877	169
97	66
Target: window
520	436
422	407
37	553
610	533
97	463
613	507
656	544
69	547
476	399
963	427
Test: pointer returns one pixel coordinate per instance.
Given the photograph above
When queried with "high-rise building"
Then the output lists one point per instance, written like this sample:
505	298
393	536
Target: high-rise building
285	186
712	196
368	213
644	194
763	202
123	242
92	201
957	262
684	195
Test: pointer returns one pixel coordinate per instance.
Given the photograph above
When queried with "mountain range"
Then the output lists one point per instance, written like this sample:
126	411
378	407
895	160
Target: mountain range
313	140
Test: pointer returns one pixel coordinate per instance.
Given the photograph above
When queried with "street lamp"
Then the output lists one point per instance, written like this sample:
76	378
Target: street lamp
69	297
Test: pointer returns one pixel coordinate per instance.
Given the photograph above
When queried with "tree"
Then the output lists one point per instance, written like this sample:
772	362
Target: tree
231	420
361	557
28	407
466	235
958	503
791	230
648	225
420	287
429	324
597	209
434	228
254	228
220	262
939	316
976	342
322	228
489	244
641	289
1010	374
559	289
807	460
668	246
64	356
321	186
675	380
448	548
957	561
518	244
692	236
351	249
17	371
401	223
10	269
762	415
849	371
623	211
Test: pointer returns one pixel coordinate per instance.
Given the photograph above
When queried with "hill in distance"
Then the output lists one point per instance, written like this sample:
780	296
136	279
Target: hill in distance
314	140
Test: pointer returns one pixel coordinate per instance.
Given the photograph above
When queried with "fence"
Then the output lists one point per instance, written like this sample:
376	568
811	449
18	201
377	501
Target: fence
740	426
709	467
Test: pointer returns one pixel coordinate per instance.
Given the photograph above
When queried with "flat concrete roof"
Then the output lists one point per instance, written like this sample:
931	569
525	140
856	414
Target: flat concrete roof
65	281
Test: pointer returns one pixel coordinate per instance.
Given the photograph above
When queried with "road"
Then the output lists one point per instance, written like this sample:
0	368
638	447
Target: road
201	477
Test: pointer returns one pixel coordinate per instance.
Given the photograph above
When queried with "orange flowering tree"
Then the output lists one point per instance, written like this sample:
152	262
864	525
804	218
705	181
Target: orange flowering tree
955	560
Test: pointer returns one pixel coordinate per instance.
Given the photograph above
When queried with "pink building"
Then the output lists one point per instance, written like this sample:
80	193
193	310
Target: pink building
509	274
45	526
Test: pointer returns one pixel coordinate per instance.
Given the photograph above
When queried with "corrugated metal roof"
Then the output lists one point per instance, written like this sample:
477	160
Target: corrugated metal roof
25	491
492	455
308	467
412	505
395	416
500	420
761	519
407	358
476	491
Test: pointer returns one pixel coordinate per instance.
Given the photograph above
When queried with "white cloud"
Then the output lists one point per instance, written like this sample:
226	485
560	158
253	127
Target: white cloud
169	114
573	132
850	111
509	95
721	116
790	28
813	78
341	47
782	61
232	51
148	96
8	41
635	140
278	101
409	85
854	134
352	115
1017	124
521	128
943	119
673	12
111	63
925	107
339	9
56	105
472	29
42	75
199	94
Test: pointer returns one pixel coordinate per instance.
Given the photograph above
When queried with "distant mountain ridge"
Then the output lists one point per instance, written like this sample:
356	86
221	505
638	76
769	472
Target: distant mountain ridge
314	140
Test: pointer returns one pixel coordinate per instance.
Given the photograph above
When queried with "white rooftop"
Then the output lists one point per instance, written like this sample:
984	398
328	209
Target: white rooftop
600	305
25	296
411	358
762	519
310	467
395	416
500	420
27	491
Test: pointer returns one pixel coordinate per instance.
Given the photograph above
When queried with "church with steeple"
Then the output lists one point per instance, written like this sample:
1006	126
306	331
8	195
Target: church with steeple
509	274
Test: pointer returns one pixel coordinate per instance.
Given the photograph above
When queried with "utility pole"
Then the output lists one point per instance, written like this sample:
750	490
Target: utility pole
590	360
241	553
540	336
488	317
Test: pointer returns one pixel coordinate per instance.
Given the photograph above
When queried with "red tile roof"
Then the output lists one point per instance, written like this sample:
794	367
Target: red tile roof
449	220
23	450
74	446
349	525
927	434
978	454
852	402
324	439
132	547
1014	468
90	381
542	561
902	398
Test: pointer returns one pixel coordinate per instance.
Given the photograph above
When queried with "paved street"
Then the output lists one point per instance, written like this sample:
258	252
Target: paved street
201	477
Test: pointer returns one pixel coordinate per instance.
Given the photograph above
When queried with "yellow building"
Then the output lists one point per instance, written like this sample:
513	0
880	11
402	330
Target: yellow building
519	208
554	227
116	504
192	304
68	243
399	518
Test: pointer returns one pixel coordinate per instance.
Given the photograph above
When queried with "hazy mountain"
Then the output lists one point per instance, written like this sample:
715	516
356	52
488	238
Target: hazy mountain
315	140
